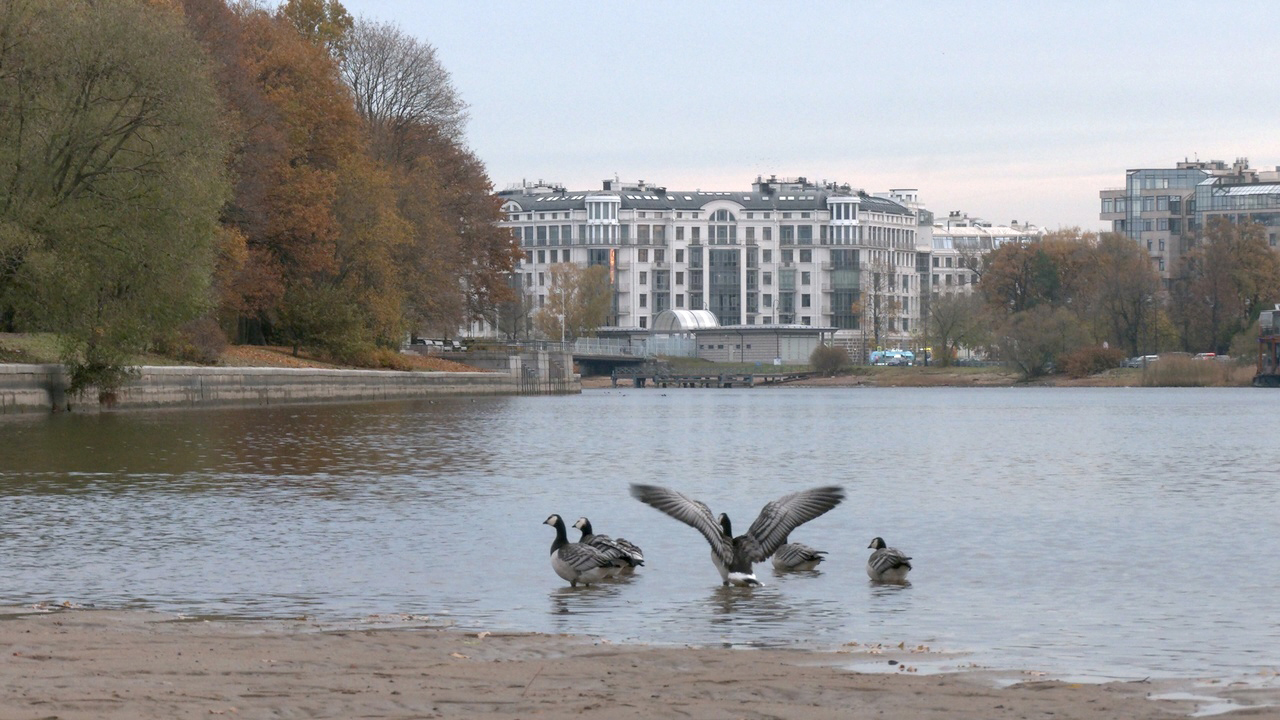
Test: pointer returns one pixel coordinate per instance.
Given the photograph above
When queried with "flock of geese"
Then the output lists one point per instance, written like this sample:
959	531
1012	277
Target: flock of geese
597	557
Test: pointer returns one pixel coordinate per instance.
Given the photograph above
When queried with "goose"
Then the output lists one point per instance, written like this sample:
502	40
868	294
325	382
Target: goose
576	562
619	548
733	556
887	564
797	556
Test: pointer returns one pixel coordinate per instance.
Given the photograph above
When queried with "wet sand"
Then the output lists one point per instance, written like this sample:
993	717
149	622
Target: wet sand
82	664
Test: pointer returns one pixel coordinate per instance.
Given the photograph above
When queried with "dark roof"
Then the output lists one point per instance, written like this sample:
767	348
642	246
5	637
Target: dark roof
662	199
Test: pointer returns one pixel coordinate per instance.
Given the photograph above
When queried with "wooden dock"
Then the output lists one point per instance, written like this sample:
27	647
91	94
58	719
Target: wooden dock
643	378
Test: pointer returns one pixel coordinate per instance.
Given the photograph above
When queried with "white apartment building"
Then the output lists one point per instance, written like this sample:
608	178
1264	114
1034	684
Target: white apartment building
784	252
959	241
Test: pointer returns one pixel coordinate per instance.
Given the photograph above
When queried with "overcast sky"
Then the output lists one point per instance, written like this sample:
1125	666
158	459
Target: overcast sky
1018	110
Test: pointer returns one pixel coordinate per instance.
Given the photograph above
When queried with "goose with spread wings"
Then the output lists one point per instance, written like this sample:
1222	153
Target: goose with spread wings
733	556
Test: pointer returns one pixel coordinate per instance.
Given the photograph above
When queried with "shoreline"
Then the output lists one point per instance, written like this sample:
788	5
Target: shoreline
89	663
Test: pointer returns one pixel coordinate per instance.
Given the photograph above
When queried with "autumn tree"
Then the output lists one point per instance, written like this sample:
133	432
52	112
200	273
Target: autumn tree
112	156
1226	279
456	262
401	90
577	303
323	22
1124	298
956	320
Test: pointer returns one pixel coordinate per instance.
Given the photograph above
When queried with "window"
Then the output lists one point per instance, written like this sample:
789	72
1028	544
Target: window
679	278
642	233
766	255
680	255
936	260
751	233
804	300
766	300
767	278
679	300
787	234
788	256
806	256
644	300
659	255
1162	202
768	233
1161	246
696	235
644	321
644	278
804	277
542	279
679	232
642	255
1108	205
1162	223
804	234
542	256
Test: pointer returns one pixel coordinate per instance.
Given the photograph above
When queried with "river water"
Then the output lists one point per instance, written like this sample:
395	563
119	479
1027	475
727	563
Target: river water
1103	533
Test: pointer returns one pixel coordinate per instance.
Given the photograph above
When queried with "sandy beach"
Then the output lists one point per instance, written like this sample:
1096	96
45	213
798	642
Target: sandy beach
100	664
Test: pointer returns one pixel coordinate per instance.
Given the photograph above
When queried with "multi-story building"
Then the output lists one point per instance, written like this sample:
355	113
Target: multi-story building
1162	209
783	252
1255	197
958	243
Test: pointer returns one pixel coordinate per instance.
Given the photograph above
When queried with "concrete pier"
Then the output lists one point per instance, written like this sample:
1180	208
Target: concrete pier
43	388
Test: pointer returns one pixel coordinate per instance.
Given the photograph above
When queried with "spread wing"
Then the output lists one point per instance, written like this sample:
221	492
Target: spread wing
690	512
778	518
792	554
583	557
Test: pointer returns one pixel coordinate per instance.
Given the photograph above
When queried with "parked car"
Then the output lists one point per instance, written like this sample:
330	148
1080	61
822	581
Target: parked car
1140	361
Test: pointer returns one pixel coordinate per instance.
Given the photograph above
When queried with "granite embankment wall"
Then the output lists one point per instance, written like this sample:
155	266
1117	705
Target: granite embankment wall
42	388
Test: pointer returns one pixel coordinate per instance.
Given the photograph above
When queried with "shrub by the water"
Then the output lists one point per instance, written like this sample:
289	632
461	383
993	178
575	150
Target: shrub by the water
1090	360
829	360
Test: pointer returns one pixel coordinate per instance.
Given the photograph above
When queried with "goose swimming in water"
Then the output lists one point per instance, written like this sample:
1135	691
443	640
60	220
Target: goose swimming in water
576	562
797	556
619	548
733	556
887	564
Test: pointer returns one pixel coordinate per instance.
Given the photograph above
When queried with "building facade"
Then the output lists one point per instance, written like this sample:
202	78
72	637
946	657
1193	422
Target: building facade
1163	209
958	243
785	252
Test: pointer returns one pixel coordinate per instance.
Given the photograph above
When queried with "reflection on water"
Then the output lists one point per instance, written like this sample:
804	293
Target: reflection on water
1070	530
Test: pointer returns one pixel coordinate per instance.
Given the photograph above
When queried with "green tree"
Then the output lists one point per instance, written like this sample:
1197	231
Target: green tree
1032	340
956	320
577	303
112	157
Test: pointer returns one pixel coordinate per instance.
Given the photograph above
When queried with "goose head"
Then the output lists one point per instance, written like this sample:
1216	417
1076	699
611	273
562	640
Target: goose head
584	525
725	525
553	520
877	544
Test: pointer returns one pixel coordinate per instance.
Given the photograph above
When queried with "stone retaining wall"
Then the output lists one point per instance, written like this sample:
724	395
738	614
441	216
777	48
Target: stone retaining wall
42	388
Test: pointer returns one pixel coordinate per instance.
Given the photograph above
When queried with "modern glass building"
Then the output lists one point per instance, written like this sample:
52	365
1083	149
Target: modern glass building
1163	209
